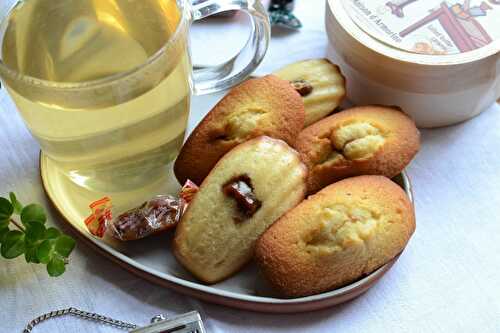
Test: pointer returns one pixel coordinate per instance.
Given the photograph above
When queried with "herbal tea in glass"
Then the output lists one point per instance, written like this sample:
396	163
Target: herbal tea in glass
127	134
104	85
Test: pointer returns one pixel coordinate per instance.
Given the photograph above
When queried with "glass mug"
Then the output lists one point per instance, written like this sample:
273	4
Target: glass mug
105	85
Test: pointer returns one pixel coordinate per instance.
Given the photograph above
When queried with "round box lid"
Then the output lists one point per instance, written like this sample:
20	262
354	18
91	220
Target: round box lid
428	26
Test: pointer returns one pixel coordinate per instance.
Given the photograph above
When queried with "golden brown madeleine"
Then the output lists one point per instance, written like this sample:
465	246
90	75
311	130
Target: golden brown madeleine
320	83
343	232
248	189
374	140
264	106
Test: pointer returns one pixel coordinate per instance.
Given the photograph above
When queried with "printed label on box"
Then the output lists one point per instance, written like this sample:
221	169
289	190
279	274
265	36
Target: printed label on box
429	26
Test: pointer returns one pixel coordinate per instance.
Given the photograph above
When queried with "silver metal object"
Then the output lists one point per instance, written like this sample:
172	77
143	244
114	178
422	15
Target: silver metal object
79	313
186	323
158	318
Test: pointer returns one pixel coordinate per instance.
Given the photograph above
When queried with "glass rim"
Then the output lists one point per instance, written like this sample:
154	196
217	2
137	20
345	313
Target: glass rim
31	80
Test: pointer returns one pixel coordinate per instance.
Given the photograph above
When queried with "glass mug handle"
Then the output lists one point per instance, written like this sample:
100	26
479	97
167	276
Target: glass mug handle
220	77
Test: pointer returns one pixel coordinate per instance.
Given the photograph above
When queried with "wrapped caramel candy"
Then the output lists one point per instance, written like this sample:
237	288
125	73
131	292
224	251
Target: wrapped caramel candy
154	216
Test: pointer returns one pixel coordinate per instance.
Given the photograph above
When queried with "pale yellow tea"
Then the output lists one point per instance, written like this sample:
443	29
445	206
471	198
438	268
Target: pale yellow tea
113	108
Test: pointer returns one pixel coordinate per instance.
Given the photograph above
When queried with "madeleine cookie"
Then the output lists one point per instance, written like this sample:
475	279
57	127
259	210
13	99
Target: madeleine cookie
345	231
264	106
373	140
319	82
248	189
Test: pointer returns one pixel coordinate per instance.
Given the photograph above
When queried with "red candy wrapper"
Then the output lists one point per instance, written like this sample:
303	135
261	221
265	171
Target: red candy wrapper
188	191
154	216
101	213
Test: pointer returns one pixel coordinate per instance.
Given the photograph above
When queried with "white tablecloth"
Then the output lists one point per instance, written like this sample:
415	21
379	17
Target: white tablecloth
447	280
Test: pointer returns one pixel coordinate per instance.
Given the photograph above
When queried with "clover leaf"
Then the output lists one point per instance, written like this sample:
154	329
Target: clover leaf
13	244
56	266
18	207
6	209
33	213
39	244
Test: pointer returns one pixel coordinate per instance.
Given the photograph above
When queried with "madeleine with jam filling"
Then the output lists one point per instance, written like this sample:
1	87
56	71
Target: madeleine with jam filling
247	190
320	84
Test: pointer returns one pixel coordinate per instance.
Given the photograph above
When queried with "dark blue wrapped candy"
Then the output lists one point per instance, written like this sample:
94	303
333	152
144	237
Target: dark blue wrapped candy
280	14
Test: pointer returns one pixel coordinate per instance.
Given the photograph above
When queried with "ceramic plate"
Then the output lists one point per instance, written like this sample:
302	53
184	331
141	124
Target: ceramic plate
152	260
